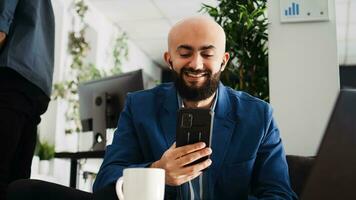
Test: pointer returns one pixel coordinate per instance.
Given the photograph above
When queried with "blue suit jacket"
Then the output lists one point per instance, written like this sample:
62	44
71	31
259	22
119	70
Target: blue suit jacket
248	160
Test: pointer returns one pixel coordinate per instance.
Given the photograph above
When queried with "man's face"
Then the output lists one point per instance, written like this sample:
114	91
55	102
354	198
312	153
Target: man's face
197	58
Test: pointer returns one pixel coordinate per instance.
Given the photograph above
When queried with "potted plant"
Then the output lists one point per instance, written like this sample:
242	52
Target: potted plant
45	153
245	24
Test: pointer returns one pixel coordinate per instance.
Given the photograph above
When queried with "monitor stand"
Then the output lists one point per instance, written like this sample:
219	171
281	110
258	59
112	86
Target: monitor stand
99	121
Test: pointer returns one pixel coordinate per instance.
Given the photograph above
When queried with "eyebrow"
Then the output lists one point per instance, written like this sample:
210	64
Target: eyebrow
188	47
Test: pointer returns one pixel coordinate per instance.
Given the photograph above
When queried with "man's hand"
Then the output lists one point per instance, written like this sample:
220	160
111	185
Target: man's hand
2	38
174	161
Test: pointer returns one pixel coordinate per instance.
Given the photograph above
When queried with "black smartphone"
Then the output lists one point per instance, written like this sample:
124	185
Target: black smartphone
194	125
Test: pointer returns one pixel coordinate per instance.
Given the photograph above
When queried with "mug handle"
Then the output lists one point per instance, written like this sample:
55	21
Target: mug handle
118	187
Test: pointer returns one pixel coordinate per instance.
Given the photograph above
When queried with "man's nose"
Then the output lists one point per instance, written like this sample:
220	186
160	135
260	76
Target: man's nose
196	62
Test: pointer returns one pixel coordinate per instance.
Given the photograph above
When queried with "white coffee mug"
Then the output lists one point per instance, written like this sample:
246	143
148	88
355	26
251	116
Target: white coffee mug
141	184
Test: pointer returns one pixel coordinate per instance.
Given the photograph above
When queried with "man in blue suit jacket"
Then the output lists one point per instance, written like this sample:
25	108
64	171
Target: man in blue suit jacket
247	157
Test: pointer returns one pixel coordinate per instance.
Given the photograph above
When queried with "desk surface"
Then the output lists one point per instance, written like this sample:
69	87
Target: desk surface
80	155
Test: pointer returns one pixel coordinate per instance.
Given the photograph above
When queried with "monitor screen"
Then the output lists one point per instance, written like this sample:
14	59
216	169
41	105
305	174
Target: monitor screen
101	101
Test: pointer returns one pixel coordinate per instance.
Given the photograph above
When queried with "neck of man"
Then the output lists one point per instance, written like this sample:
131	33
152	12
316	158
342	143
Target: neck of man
206	103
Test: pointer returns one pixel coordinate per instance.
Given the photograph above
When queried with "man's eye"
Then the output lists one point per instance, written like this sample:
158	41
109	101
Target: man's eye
185	55
207	55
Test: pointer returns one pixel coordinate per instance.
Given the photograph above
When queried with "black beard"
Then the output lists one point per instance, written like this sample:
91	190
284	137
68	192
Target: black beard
193	93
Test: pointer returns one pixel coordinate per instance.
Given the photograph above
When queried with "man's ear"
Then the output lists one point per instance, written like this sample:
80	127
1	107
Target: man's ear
225	59
167	59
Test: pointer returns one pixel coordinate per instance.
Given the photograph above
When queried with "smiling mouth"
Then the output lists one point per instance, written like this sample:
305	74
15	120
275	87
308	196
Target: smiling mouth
195	75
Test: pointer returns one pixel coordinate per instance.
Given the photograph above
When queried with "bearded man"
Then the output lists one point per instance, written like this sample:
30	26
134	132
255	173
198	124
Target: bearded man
247	159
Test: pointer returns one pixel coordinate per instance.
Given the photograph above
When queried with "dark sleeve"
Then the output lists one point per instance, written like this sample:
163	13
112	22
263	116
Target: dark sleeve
7	10
270	176
124	152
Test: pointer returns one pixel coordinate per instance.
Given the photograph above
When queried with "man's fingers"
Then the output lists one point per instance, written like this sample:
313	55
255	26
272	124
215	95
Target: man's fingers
191	170
184	150
187	159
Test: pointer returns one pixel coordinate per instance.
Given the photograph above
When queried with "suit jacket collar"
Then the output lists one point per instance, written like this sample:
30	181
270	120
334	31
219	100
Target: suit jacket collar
168	113
170	101
223	105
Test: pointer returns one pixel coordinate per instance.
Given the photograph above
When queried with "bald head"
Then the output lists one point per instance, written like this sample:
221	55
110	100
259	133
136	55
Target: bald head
196	30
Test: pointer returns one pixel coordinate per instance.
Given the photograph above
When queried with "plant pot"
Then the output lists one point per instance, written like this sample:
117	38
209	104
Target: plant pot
44	167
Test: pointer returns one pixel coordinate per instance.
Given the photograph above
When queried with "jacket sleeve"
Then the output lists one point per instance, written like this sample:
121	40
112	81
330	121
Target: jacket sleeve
7	10
270	178
124	152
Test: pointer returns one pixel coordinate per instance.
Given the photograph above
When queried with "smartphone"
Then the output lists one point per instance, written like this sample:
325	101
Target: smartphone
194	125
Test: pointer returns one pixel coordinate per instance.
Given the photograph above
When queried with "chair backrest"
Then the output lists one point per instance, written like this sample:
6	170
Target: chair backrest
299	170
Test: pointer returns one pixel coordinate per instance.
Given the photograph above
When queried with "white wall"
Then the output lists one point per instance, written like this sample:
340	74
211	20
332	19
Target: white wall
105	32
304	78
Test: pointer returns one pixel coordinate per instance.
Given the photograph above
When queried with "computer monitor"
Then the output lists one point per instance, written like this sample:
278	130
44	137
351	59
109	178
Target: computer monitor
101	101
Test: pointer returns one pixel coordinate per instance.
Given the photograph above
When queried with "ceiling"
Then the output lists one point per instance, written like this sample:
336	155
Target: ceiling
147	23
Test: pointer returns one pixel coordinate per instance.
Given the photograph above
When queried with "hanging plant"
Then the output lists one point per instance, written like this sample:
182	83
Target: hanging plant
245	24
80	71
120	52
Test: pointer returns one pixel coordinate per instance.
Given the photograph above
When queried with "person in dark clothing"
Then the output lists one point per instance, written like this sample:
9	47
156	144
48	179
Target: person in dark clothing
26	73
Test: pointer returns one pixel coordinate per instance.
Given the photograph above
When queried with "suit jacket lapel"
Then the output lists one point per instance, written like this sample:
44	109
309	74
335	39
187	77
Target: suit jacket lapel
168	114
224	125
